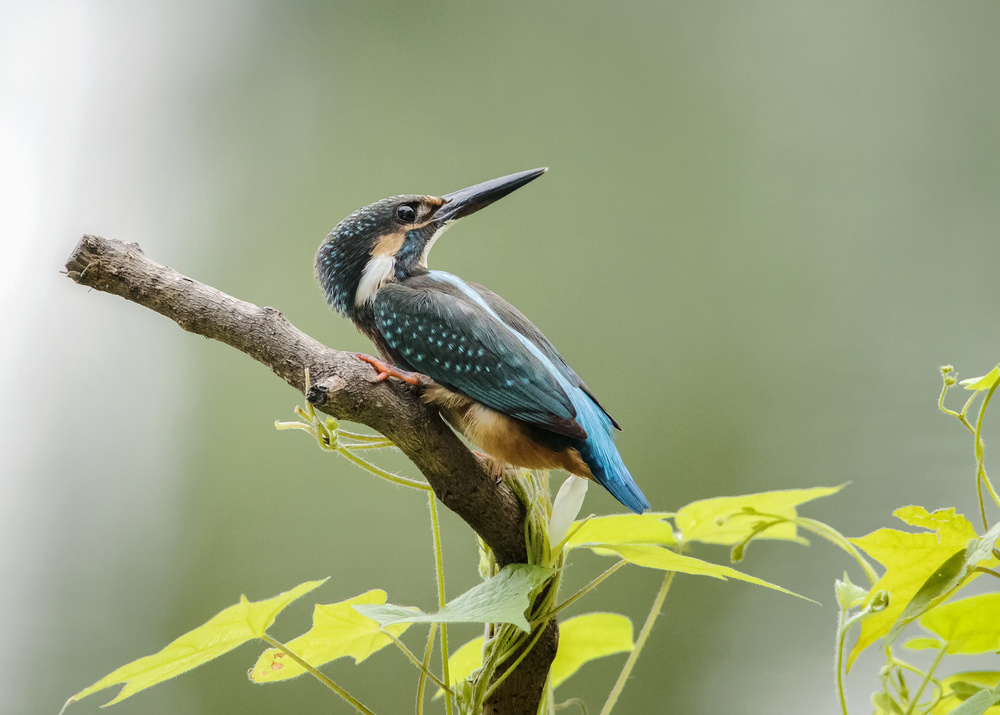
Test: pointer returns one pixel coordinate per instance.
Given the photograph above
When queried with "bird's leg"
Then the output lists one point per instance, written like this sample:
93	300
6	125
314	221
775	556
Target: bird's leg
385	370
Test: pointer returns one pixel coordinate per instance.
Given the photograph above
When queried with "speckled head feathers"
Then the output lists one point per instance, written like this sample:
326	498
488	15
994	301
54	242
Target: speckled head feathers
373	240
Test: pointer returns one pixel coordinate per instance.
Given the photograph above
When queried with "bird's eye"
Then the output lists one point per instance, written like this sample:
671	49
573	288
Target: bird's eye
406	214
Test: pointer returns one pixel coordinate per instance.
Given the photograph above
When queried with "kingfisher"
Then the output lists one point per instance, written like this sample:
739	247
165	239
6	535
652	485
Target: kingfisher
492	374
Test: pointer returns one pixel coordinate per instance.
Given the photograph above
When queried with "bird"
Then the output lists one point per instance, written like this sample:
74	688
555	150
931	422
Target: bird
490	372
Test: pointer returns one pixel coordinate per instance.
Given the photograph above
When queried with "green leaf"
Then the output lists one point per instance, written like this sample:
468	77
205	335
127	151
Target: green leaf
581	639
885	705
337	631
655	557
969	625
961	686
501	599
943	582
985	382
978	704
228	629
909	560
624	529
586	638
934	590
730	520
923	644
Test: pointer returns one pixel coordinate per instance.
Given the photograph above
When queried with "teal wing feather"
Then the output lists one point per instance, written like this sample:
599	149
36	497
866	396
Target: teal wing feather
447	337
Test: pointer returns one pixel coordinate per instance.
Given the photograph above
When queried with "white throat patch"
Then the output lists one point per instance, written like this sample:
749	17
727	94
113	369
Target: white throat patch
430	243
376	274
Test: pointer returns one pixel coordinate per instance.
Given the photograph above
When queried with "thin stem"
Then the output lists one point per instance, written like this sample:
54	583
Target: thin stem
842	628
923	683
835	537
960	416
991	572
965	410
413	659
830	534
944	391
318	675
379	472
586	589
647	627
841	632
902	664
424	669
368	445
980	468
439	567
361	437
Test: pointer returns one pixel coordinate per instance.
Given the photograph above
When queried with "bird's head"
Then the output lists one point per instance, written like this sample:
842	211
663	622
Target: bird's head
390	239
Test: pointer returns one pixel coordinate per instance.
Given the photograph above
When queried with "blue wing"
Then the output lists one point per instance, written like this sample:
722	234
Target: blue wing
519	322
437	330
472	341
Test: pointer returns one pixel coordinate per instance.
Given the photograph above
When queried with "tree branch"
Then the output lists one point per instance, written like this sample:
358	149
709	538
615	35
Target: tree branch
343	387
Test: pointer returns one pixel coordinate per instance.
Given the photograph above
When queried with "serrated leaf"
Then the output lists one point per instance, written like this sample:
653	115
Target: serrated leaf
960	686
226	630
969	625
586	638
909	560
624	529
985	382
338	631
655	557
923	644
731	520
501	599
950	526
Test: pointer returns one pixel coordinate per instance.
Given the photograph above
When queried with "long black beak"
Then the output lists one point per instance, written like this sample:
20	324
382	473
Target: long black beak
462	203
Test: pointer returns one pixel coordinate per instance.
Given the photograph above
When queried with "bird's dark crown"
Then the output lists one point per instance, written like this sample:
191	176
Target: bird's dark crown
384	241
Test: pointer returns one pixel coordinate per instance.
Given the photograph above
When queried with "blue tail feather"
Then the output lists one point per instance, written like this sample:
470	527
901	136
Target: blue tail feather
601	455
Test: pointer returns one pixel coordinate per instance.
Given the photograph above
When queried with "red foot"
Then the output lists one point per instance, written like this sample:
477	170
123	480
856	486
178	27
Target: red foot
386	370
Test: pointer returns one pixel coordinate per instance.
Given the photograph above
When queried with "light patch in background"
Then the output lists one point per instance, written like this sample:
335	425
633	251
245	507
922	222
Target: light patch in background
72	75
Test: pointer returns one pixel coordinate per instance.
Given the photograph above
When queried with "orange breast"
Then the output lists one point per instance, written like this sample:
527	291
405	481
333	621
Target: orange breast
502	437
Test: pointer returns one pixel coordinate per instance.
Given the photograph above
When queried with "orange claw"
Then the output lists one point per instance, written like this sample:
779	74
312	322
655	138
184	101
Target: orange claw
385	370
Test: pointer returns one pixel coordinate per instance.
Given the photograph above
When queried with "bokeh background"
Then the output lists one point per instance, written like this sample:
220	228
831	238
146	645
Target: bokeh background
765	226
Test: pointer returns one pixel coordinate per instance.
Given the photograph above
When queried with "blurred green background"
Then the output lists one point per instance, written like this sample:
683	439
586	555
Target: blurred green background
765	226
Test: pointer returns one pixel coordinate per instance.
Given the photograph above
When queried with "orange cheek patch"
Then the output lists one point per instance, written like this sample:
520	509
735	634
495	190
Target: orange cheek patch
389	245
